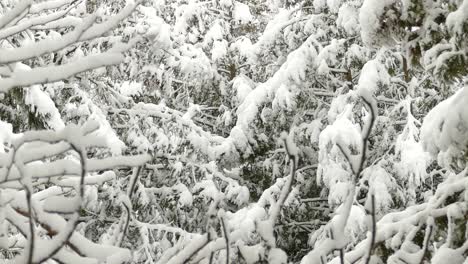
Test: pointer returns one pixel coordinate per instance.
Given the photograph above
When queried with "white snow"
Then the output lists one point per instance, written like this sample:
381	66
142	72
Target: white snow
444	132
369	19
6	134
342	135
284	99
447	255
277	256
372	75
356	225
41	102
128	88
348	19
242	13
183	14
323	68
225	3
216	32
303	50
413	159
244	46
381	184
319	5
219	50
243	86
334	5
458	18
291	72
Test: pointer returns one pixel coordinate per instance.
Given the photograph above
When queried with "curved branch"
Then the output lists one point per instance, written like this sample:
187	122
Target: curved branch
293	160
365	137
426	242
127	223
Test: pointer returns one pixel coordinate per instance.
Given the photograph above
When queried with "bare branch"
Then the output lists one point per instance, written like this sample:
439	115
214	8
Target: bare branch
226	237
131	188
427	238
32	237
374	230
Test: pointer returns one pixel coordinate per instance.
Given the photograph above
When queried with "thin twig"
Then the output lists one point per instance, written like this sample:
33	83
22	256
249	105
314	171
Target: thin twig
31	225
426	243
374	230
127	222
130	191
211	257
74	220
357	171
226	238
365	138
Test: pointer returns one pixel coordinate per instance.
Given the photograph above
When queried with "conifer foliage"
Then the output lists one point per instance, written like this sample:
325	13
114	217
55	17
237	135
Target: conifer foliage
234	131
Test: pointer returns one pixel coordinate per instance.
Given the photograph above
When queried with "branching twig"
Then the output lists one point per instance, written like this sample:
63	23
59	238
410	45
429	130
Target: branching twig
73	222
75	219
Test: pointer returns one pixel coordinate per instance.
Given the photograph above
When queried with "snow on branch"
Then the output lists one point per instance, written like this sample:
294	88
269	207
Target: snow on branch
45	46
40	20
46	216
84	30
292	152
14	13
399	225
444	132
48	74
47	207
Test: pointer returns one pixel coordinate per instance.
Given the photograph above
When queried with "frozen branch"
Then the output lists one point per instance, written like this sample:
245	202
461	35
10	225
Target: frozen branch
292	153
373	230
226	237
14	13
